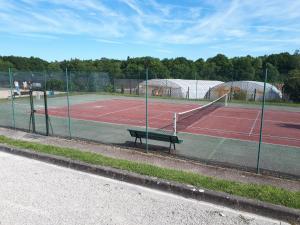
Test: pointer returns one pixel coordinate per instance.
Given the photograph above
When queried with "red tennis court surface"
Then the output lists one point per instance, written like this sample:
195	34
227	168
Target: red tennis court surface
280	127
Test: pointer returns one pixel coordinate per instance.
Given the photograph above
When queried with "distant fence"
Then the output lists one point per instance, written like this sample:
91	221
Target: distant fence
95	106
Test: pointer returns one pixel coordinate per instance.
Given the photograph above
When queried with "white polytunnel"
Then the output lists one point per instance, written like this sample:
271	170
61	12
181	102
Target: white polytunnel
250	90
192	89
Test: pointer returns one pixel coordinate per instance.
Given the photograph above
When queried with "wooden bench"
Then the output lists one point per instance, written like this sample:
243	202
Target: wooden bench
172	139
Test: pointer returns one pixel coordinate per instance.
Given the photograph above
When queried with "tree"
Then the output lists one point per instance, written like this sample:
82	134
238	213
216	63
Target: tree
181	68
209	71
4	65
257	64
199	65
218	67
54	67
273	74
110	66
224	68
243	69
292	85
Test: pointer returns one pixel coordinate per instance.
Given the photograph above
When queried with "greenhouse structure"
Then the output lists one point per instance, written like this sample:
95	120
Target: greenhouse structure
178	88
245	90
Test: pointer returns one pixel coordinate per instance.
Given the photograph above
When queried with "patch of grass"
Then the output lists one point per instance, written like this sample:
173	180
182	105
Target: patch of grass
265	193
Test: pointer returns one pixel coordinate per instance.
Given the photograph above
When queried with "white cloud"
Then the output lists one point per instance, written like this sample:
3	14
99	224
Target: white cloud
166	51
108	41
134	6
153	22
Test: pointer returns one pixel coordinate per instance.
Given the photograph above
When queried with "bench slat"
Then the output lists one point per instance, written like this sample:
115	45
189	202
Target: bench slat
155	136
172	139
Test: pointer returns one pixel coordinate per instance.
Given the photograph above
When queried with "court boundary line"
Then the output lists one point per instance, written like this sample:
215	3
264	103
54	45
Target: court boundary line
244	118
236	139
188	133
122	110
254	123
244	133
154	103
193	127
282	109
216	148
55	109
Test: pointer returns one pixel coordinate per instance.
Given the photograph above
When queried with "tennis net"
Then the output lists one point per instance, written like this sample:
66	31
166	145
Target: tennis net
185	119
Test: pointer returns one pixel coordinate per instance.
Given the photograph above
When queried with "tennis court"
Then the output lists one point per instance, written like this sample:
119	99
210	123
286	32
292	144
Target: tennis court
219	135
280	127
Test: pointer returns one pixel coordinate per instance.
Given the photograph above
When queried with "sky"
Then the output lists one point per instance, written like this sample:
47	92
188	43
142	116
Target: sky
91	29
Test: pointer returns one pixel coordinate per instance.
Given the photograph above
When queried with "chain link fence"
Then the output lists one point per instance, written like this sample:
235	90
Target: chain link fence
95	106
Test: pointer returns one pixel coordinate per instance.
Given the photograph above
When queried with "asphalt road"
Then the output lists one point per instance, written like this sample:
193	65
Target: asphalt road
34	192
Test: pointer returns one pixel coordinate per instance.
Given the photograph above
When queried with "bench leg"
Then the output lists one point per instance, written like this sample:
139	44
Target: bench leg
170	147
135	140
141	141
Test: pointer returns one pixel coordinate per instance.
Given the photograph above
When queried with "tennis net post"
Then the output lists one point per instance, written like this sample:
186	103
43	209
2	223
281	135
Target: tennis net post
174	124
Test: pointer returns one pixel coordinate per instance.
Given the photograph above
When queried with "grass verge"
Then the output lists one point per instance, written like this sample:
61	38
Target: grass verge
265	193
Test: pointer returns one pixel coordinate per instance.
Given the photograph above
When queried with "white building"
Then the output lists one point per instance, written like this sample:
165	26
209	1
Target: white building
193	89
246	90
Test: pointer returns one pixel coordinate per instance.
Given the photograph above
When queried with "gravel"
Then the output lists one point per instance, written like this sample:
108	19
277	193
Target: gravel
34	192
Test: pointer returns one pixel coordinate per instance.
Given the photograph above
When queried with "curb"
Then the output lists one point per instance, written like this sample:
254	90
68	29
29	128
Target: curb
189	191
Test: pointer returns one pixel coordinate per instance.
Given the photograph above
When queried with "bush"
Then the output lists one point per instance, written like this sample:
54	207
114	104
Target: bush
241	95
109	88
57	85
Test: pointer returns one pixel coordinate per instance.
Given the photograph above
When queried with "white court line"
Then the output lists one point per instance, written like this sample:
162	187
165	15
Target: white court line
278	110
220	130
237	139
184	132
28	105
122	110
234	117
243	133
253	125
216	148
280	137
265	120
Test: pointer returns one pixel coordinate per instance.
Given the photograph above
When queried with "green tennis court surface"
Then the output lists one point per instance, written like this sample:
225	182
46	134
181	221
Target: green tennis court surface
230	151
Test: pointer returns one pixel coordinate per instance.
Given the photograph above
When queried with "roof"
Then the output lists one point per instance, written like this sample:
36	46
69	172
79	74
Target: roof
251	86
196	88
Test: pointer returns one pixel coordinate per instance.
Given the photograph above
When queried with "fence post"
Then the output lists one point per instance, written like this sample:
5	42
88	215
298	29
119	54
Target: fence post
147	109
196	89
68	101
12	98
46	113
175	124
261	121
45	81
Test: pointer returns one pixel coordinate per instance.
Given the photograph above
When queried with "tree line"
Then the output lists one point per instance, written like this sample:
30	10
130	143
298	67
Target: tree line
283	68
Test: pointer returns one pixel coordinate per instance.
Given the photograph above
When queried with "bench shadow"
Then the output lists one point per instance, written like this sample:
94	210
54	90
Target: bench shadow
142	147
290	125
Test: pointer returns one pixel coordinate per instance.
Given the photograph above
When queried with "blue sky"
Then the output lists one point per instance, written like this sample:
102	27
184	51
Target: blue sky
89	29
